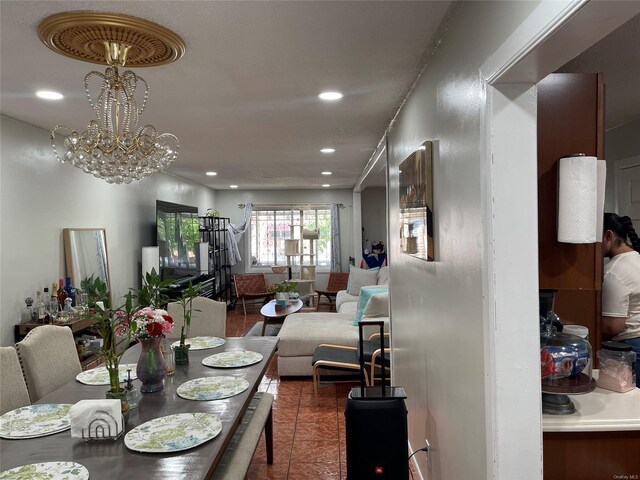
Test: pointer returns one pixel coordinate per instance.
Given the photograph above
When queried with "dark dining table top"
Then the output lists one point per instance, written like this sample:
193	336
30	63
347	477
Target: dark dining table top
108	459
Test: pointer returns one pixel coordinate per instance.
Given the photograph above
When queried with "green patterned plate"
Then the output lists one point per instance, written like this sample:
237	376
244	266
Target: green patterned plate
173	433
35	421
212	388
47	471
202	343
100	375
232	359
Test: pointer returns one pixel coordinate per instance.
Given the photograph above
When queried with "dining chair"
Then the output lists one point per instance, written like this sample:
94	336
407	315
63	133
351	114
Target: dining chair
49	359
251	286
337	281
208	318
13	389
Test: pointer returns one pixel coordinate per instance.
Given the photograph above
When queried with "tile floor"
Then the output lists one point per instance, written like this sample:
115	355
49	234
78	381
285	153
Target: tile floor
309	431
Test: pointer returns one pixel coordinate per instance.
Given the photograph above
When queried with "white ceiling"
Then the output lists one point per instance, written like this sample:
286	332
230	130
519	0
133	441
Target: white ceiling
243	100
617	56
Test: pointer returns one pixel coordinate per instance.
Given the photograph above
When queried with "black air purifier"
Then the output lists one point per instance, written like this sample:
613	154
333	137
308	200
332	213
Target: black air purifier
376	427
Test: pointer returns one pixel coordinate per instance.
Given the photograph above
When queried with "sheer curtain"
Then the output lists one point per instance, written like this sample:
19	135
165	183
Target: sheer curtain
336	254
233	252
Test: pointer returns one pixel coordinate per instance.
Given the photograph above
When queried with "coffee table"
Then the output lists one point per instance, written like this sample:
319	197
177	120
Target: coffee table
271	315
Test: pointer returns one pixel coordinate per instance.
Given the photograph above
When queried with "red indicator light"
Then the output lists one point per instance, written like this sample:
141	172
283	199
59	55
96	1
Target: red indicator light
379	470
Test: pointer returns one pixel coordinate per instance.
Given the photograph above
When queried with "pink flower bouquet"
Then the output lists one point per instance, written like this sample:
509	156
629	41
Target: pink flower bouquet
148	323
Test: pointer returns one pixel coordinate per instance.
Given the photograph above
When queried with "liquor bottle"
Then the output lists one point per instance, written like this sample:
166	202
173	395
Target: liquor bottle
62	294
54	289
27	314
71	292
45	302
39	306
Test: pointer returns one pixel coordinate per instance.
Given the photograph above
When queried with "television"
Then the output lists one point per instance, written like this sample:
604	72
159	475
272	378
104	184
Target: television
177	236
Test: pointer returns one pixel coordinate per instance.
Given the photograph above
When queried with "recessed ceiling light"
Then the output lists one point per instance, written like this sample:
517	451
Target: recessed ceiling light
330	96
326	173
49	95
212	174
233	186
325	185
328	150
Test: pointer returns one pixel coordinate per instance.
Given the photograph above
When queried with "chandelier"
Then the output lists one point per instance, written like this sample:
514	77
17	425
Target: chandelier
113	147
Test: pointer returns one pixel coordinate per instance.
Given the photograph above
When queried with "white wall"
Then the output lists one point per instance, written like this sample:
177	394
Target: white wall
620	143
227	202
374	214
439	309
40	197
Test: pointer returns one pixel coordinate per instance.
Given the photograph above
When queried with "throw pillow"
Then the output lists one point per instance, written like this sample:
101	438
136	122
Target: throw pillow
359	277
383	276
377	306
365	294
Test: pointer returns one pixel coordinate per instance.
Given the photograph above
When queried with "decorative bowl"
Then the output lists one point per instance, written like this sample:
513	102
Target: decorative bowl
279	269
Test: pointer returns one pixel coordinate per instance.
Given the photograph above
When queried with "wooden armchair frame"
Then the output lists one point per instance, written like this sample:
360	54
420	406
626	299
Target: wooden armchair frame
251	286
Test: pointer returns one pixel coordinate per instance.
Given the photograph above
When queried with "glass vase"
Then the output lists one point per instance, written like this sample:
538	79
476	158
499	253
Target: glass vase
151	368
181	354
124	403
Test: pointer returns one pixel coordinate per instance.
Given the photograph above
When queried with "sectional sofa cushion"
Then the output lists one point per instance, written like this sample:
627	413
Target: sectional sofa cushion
383	276
365	295
301	333
359	277
377	306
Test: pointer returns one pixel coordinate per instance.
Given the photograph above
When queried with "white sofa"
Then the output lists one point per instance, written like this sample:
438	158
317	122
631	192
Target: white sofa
301	333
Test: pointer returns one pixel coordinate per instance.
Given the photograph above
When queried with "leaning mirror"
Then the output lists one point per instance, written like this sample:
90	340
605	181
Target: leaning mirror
87	262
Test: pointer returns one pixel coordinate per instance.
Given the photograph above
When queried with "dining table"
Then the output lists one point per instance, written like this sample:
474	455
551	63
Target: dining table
112	459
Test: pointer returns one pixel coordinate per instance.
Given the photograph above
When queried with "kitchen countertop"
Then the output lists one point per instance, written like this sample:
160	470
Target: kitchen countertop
598	411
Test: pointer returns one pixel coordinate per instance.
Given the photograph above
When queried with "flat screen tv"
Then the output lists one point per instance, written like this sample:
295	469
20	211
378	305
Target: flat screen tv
177	238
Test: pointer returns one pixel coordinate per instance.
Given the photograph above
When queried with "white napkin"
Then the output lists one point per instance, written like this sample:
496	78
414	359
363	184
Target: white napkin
97	418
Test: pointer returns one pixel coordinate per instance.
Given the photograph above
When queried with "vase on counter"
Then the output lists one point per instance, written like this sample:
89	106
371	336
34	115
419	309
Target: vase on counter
151	368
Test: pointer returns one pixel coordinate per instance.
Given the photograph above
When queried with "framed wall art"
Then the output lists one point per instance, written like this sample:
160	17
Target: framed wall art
416	204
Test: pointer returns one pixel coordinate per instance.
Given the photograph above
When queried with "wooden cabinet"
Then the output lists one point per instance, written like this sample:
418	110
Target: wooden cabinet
570	120
78	326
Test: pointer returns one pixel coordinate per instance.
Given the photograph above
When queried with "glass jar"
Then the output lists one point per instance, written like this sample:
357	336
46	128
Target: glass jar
565	363
617	367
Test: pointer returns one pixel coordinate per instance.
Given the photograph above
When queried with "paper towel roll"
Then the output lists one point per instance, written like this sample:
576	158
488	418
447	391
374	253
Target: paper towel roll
577	199
150	260
602	180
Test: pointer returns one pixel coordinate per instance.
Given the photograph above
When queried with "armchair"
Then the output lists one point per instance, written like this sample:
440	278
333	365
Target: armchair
251	286
337	281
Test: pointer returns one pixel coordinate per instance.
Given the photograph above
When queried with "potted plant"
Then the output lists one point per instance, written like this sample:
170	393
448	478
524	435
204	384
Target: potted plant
151	294
186	301
282	290
113	326
96	291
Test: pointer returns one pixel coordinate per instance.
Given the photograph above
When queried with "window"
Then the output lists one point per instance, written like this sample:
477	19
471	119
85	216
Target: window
269	228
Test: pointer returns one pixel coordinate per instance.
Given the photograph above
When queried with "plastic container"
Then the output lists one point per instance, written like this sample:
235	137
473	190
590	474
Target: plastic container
617	367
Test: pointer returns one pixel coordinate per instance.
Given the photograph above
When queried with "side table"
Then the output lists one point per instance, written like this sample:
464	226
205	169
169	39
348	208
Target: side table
271	315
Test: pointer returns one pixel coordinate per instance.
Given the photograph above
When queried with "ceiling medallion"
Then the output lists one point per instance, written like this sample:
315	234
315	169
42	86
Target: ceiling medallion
81	35
112	147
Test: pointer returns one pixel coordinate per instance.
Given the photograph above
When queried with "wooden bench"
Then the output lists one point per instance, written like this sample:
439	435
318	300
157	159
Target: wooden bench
237	457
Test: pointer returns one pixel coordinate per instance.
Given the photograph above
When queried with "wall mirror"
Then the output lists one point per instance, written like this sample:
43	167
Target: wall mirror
86	256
